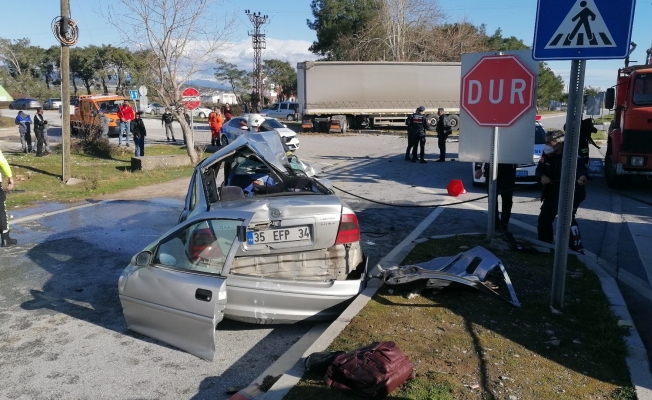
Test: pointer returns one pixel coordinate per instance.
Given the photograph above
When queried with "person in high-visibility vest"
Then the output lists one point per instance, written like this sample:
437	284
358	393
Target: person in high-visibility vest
215	121
4	220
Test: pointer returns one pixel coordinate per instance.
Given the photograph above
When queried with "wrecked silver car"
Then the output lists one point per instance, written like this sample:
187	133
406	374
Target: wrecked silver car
258	241
471	268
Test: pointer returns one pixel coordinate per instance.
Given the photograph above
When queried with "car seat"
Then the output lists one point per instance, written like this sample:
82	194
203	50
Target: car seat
240	180
229	193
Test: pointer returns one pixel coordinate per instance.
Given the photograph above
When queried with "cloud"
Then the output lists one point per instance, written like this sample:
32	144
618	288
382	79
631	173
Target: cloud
242	54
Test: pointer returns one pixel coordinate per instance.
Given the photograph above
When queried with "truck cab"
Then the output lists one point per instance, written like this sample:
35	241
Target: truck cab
629	146
85	118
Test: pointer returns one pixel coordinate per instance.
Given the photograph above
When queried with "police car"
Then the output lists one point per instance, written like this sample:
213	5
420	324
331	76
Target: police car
525	173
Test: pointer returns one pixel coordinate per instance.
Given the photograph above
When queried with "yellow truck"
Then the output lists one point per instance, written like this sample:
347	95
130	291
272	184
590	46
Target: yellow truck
85	118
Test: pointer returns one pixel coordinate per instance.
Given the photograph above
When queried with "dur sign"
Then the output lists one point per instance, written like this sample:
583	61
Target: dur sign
498	90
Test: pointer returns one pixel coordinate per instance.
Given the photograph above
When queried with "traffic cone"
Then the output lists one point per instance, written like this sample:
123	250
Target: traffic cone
455	188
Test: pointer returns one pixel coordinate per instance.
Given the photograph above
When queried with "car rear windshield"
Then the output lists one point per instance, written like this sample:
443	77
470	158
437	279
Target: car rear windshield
539	135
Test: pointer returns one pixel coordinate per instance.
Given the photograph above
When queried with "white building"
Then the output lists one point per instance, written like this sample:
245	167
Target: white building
219	97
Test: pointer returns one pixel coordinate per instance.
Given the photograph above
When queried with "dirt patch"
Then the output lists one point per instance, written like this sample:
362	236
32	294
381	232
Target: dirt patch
466	345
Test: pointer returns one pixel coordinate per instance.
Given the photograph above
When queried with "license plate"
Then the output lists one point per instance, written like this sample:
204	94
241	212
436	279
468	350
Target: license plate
278	235
521	173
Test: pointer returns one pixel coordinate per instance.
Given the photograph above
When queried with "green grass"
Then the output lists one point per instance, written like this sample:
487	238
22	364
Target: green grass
467	345
606	118
38	178
6	122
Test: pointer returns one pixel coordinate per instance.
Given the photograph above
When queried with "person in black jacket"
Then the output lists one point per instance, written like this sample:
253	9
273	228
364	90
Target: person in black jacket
39	131
549	173
166	119
506	182
418	124
443	130
410	138
139	132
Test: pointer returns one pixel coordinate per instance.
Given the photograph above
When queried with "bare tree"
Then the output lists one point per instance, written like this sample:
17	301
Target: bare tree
180	38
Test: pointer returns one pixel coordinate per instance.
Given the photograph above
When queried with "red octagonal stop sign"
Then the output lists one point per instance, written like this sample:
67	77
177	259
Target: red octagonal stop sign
498	90
190	98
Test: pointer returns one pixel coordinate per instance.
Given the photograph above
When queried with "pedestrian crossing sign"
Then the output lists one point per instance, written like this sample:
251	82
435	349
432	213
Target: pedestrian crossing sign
583	29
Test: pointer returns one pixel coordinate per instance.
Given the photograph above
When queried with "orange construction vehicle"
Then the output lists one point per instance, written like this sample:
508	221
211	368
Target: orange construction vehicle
629	148
85	117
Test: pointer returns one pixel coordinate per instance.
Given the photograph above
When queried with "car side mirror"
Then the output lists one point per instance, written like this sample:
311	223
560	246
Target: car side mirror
144	258
609	98
285	126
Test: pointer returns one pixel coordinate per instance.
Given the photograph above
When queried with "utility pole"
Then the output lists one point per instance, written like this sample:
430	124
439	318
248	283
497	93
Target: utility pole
64	33
258	42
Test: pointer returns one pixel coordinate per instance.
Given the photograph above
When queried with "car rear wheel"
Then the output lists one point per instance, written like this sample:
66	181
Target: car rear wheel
290	117
202	115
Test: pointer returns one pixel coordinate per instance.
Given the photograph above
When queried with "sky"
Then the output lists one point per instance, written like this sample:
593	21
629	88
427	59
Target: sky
288	36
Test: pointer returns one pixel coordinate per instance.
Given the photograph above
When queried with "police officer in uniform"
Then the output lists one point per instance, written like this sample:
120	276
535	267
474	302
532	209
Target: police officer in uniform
410	137
417	124
549	172
443	130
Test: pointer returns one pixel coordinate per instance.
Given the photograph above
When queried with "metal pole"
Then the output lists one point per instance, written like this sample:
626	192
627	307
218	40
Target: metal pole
493	184
65	103
568	178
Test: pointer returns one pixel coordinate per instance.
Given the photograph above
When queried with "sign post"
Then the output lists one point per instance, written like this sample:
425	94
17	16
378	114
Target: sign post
577	31
496	92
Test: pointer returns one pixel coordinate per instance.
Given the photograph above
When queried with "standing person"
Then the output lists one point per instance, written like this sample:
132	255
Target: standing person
24	123
139	132
166	119
40	124
4	219
410	137
443	130
549	172
586	129
505	182
104	124
215	121
247	108
228	114
417	122
126	115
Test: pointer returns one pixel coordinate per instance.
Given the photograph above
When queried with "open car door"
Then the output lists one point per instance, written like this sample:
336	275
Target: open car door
175	291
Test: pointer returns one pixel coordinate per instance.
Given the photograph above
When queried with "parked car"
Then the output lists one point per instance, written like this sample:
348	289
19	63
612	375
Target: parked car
24	104
201	112
267	245
286	110
155	109
237	126
525	173
52	104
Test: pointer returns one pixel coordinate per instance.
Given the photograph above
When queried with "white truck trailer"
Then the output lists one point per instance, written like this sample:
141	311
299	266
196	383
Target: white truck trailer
334	96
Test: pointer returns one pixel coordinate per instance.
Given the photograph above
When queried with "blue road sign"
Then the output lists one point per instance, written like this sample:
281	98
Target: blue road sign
583	29
133	94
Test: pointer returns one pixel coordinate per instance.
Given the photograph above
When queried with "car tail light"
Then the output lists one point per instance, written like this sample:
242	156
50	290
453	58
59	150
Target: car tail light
537	118
349	230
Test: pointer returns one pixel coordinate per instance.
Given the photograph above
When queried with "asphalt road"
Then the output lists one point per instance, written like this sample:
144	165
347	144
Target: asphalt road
62	333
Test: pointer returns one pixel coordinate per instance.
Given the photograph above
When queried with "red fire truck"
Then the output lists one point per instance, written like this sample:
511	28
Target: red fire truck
629	149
